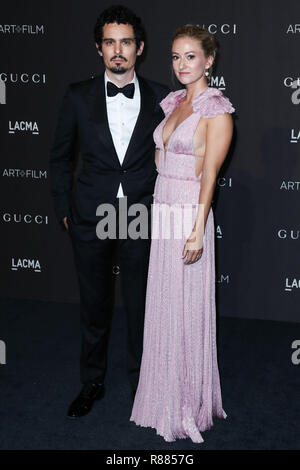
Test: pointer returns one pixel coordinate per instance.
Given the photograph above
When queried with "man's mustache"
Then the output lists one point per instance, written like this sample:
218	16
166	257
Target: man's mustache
118	57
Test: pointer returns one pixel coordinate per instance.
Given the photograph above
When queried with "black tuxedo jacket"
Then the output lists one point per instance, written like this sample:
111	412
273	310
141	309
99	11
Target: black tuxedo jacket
83	125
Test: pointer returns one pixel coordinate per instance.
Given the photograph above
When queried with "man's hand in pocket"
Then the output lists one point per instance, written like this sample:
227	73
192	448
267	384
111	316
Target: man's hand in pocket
65	223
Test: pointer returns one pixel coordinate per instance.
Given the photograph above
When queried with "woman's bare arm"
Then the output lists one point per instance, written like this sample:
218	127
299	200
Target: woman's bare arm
218	139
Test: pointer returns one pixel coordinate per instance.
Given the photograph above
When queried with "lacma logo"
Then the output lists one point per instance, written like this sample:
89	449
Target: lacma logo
291	284
29	264
23	126
295	136
218	82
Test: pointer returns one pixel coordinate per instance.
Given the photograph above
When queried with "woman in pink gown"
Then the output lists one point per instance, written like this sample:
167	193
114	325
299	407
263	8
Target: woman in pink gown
179	386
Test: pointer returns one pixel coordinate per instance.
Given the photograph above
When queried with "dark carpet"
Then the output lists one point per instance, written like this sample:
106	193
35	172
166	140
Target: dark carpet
260	385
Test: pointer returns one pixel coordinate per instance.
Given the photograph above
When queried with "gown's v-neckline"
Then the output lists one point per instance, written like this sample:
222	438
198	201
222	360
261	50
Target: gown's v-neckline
165	146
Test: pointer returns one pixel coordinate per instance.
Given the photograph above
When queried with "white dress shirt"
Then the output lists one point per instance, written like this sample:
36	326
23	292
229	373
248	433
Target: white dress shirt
122	114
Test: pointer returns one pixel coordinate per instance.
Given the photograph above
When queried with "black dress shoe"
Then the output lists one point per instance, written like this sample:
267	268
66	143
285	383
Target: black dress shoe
84	401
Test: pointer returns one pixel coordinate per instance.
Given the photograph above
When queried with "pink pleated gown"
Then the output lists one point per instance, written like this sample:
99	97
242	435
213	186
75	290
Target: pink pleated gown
179	389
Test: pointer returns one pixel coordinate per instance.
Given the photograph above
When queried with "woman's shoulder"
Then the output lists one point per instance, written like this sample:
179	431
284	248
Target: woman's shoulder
169	103
212	102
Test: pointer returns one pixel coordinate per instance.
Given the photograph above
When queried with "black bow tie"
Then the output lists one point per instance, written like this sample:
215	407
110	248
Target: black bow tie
127	90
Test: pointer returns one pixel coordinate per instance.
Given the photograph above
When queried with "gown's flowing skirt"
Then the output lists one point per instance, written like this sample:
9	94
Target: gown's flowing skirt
179	386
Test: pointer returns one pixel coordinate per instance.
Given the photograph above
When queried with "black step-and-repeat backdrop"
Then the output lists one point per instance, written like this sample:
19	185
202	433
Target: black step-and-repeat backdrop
46	45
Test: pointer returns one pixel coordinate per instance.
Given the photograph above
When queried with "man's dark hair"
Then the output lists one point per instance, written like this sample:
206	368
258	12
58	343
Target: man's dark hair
121	15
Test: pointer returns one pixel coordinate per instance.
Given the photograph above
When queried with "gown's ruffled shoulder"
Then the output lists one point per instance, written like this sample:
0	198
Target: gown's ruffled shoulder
212	102
170	102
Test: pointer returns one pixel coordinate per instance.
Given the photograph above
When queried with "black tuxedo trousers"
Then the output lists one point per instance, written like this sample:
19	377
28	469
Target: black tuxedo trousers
83	126
94	262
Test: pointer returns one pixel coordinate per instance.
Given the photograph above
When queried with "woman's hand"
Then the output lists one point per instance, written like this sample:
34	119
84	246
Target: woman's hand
193	248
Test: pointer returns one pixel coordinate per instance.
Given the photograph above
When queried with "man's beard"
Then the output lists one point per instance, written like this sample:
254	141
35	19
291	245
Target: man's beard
117	70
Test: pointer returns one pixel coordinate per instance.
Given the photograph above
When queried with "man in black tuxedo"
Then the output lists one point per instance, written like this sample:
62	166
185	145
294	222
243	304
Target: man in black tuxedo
111	118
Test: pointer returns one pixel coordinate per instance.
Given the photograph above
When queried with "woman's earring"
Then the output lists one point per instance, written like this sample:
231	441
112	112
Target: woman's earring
207	74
